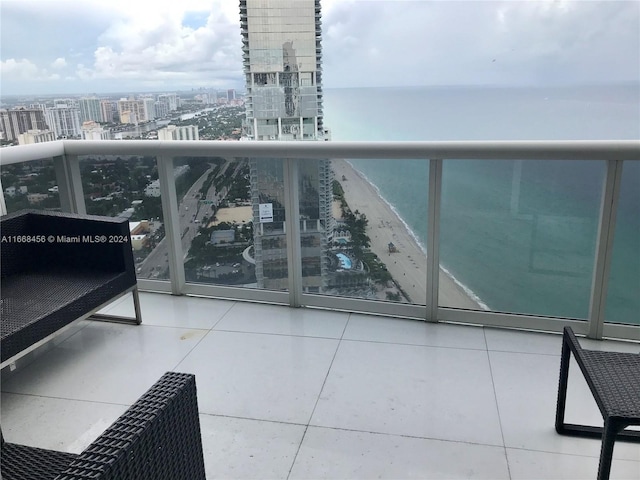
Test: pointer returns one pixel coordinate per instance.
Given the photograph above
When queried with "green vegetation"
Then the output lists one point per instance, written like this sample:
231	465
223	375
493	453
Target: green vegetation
196	168
377	269
221	123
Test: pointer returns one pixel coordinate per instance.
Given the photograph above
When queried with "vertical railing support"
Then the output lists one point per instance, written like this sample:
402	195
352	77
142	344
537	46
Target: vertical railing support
292	223
3	205
604	248
433	238
70	192
171	220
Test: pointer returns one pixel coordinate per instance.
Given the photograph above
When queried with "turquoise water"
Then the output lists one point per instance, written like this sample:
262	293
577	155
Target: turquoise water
345	262
520	236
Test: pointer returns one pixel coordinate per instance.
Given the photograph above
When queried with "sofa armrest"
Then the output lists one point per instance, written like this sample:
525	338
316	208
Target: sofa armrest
158	437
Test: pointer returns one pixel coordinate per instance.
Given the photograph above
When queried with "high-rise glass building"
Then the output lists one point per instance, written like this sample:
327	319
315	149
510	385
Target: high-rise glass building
281	41
90	109
64	120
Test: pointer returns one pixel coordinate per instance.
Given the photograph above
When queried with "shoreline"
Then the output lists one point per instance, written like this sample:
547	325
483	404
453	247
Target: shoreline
386	225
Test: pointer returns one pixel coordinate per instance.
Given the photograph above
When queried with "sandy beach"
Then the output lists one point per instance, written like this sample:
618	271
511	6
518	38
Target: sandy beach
233	214
409	264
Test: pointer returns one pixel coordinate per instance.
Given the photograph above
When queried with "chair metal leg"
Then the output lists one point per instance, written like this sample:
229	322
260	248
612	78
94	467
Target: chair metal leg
137	320
606	451
136	305
562	387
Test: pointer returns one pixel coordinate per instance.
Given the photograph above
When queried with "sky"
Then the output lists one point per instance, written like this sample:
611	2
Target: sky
100	46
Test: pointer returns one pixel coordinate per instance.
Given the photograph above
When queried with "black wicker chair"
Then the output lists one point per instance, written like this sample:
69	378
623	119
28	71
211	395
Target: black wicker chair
157	438
58	268
614	380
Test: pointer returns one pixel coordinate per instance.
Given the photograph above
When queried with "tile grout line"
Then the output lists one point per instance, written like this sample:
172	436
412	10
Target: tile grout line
495	397
306	428
68	399
202	339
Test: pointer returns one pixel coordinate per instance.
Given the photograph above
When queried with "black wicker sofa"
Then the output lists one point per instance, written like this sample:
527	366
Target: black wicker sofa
58	268
157	438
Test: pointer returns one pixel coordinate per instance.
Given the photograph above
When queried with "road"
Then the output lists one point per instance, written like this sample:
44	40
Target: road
157	262
191	213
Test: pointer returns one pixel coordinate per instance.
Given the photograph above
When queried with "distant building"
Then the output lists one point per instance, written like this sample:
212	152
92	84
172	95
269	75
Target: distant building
223	236
171	99
36	136
108	110
10	191
162	109
135	111
127	116
172	132
64	120
128	110
149	109
93	131
282	67
20	120
231	95
153	189
34	198
90	109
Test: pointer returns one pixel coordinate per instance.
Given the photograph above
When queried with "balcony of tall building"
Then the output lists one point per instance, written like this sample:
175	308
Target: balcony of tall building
341	383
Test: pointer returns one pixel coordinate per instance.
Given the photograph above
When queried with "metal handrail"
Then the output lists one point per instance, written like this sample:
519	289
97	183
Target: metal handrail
495	150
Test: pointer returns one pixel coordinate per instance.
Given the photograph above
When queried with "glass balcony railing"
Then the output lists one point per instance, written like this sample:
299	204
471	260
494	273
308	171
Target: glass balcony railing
532	235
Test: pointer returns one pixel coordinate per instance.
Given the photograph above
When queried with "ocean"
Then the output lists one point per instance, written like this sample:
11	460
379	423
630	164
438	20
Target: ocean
518	235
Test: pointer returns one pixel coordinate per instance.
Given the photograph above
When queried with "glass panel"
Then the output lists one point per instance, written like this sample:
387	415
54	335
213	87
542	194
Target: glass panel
222	200
519	236
127	186
30	185
623	298
371	242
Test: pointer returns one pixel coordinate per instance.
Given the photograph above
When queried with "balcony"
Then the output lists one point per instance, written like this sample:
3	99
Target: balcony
344	387
304	393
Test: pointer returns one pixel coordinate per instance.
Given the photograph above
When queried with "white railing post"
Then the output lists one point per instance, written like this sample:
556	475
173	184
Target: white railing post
604	247
171	221
3	205
292	223
70	192
433	237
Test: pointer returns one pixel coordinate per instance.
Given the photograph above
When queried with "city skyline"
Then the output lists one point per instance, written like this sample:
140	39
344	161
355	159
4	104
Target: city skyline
92	47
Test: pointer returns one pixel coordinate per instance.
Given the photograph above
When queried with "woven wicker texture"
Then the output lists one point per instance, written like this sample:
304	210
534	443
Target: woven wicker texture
157	438
616	378
20	462
47	285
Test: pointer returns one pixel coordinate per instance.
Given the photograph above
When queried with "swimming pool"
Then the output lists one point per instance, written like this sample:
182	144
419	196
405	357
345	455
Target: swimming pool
345	262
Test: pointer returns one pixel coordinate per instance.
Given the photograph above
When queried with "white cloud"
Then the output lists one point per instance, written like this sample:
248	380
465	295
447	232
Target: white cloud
157	47
18	69
173	44
59	62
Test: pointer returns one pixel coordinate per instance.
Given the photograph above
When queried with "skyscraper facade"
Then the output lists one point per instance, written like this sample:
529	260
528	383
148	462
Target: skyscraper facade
64	120
20	120
108	110
282	65
90	109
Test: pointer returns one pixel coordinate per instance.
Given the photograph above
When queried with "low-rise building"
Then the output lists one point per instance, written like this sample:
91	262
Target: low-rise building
34	198
223	236
36	136
172	132
93	131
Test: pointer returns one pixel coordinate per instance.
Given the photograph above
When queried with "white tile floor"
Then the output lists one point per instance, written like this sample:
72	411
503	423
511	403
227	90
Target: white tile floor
301	393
